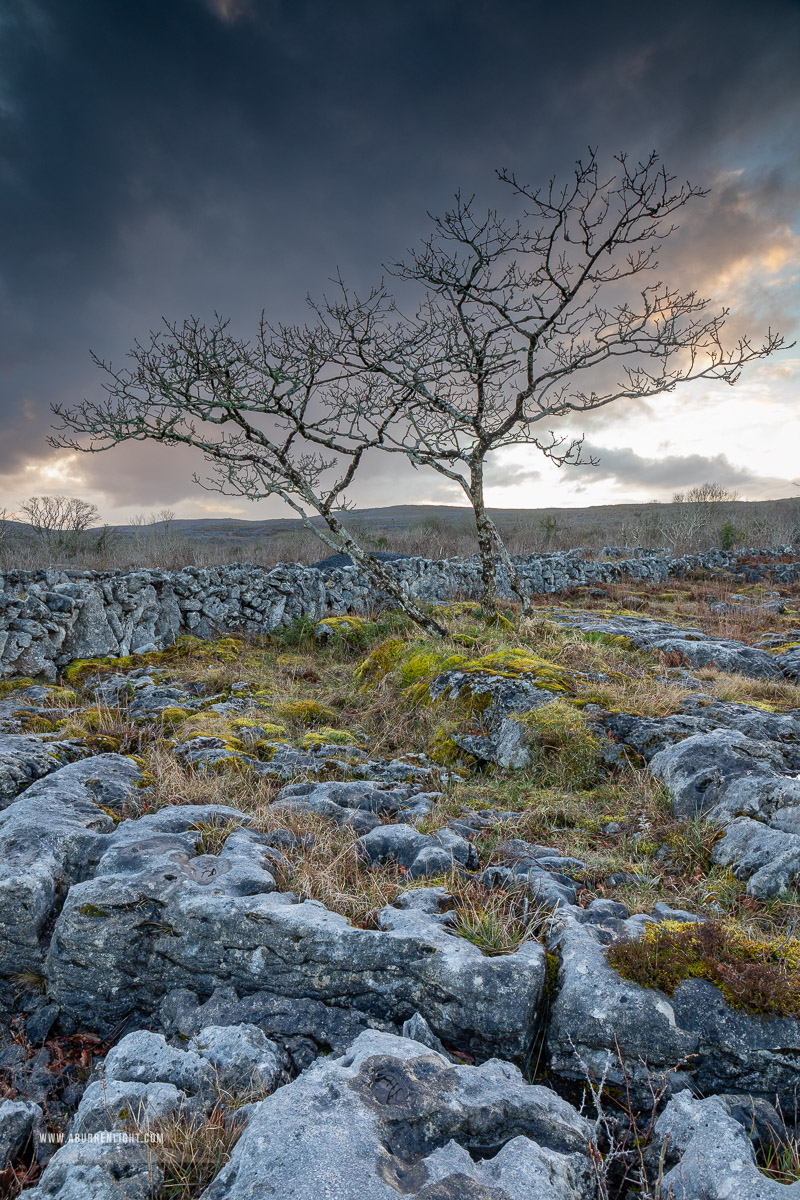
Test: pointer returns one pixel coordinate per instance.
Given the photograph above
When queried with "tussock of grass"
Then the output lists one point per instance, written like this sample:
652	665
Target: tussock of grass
213	835
496	920
324	864
564	749
108	727
190	1148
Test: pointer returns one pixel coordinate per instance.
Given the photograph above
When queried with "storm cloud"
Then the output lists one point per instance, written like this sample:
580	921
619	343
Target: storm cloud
230	155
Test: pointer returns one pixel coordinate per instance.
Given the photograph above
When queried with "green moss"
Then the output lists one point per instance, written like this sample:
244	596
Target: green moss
15	685
305	712
102	743
413	666
328	736
78	670
354	631
31	723
609	639
173	716
756	977
563	747
444	750
223	649
91	910
551	969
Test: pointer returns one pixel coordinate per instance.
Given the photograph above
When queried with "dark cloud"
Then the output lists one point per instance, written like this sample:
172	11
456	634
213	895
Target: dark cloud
625	468
229	154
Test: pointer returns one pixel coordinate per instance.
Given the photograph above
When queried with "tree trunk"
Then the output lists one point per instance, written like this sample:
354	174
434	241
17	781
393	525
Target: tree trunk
486	540
383	579
490	544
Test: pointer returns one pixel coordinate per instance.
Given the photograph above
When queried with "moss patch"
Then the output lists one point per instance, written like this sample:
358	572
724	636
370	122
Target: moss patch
756	977
304	712
15	685
562	745
328	737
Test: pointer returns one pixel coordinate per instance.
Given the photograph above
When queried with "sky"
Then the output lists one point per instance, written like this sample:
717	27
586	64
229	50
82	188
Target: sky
161	159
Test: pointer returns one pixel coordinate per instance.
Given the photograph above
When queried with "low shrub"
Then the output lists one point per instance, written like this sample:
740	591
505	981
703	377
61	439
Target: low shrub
756	977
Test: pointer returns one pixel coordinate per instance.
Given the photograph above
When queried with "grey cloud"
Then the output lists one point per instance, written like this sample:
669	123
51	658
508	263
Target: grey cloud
222	154
623	466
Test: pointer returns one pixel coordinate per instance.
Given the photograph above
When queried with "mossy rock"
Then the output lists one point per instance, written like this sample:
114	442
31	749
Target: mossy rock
445	751
758	977
223	649
171	717
80	668
349	629
15	685
304	712
328	737
209	724
608	639
101	743
31	723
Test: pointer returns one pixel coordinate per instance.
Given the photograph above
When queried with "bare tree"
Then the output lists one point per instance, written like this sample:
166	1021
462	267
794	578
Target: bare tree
6	518
706	493
522	321
249	407
60	523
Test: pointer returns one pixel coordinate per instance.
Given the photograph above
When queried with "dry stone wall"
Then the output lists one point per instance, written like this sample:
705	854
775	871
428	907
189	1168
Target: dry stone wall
49	618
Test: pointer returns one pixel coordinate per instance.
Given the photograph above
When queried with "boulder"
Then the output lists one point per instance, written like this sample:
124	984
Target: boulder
50	837
393	1116
716	1159
601	1023
154	923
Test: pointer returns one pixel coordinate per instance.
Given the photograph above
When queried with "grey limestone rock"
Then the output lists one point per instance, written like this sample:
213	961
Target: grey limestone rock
716	1159
99	1170
124	939
601	1022
24	758
393	1116
18	1121
700	769
421	854
241	1057
50	837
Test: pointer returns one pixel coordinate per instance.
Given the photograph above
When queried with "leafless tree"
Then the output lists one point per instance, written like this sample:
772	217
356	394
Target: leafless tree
706	493
61	523
517	322
5	519
250	408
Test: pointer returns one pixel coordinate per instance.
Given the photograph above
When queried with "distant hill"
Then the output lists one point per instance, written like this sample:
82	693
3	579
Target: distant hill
400	517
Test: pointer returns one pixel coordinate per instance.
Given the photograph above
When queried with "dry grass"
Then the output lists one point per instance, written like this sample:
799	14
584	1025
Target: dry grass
190	1149
778	694
324	864
497	920
688	603
108	727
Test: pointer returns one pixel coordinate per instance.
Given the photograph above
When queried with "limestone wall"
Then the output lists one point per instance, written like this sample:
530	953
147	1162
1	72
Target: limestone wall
48	618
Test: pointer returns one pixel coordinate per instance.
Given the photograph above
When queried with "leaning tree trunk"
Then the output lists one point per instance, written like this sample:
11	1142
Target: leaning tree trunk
514	578
383	579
